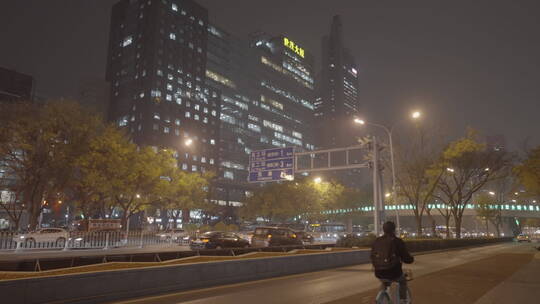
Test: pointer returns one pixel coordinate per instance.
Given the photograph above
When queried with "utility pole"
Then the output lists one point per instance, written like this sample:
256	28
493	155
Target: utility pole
376	193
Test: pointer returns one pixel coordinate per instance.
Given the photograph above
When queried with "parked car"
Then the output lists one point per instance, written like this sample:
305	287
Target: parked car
305	237
274	236
53	236
175	235
523	238
218	240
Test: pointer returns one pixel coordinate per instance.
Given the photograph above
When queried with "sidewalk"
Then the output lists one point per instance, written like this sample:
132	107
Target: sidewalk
472	281
522	287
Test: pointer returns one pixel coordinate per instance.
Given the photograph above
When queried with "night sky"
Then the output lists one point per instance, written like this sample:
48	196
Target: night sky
462	63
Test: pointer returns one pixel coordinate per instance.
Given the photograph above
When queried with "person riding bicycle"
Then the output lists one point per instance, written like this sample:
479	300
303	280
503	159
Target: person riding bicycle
387	254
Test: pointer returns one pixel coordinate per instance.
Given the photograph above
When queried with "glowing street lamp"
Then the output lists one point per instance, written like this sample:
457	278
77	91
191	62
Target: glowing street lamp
188	142
359	121
317	180
491	193
415	115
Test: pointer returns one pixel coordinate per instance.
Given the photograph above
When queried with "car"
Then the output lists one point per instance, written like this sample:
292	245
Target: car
274	236
218	240
523	238
305	237
174	235
52	236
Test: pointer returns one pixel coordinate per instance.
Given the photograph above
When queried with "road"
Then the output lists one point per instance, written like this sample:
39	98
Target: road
466	276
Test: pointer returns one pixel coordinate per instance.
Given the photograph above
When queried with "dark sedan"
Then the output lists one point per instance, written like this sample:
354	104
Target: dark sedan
305	237
218	240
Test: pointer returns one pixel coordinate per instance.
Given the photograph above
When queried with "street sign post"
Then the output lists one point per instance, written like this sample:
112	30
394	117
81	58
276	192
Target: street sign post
271	165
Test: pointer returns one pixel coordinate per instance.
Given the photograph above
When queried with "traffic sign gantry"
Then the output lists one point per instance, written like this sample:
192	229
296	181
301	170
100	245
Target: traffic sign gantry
271	165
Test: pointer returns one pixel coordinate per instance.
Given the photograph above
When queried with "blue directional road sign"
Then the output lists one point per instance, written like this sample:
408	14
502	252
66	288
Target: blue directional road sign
271	165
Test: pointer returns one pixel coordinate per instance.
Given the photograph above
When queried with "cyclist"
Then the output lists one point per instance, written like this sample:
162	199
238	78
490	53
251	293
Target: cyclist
387	254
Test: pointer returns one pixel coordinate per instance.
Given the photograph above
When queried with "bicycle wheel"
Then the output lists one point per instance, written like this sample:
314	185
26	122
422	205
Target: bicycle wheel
383	298
409	296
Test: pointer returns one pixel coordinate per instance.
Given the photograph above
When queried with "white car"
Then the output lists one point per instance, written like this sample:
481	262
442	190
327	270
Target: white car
175	235
52	236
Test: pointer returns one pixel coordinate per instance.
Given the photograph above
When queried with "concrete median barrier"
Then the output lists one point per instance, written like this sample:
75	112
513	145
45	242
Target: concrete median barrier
103	286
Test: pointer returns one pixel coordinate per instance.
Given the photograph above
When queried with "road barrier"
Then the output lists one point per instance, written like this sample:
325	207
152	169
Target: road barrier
97	287
10	241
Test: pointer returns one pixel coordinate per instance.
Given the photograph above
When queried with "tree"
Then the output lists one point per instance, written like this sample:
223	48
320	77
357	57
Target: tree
280	202
38	147
486	211
528	172
136	176
469	165
90	189
417	173
185	191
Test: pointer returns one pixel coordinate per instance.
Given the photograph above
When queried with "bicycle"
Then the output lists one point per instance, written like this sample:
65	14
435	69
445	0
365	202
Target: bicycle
383	297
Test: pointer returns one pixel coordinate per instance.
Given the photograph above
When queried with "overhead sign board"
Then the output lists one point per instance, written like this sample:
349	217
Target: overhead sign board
271	165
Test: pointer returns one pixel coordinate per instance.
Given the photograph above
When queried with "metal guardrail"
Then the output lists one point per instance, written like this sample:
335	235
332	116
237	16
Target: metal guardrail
86	240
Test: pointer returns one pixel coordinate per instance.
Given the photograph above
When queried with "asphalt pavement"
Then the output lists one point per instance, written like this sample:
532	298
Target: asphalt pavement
457	276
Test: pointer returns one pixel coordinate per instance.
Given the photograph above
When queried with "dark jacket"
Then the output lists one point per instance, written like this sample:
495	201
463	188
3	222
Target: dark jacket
401	252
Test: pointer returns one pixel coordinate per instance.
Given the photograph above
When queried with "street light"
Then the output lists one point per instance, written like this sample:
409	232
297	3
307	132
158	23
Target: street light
317	180
415	115
491	193
188	142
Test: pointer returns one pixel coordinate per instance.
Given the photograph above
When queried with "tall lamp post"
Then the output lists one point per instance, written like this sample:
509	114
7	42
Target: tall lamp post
389	131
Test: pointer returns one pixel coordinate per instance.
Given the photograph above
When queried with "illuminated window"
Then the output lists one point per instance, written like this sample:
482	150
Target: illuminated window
220	79
169	87
168	97
214	113
166	130
170	76
127	41
184	166
174	7
254	127
172	36
272	125
297	134
156	116
196	116
203	159
194	168
211	161
228	175
188	114
177	122
159	72
212	141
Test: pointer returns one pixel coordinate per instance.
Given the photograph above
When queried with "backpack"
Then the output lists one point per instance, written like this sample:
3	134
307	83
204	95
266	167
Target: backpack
384	255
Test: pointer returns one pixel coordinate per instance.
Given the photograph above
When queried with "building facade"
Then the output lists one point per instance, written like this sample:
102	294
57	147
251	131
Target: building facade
267	93
157	70
16	86
337	101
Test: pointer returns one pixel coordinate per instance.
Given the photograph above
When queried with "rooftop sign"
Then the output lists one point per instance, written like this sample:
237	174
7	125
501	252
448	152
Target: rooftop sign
293	47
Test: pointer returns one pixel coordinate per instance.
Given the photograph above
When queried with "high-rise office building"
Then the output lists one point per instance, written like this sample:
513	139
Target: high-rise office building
15	86
337	100
228	69
267	96
157	70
